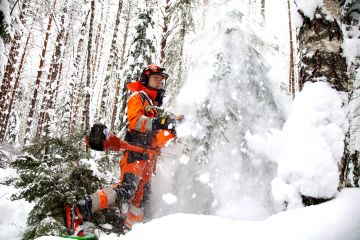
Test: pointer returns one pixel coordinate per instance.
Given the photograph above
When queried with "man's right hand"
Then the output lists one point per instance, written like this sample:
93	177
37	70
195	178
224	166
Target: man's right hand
167	122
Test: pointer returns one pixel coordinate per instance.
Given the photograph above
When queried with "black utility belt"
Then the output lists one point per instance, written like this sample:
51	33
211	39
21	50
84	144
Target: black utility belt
135	156
139	139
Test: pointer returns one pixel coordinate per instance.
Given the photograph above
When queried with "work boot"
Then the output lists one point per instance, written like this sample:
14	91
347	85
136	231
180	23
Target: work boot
85	206
125	229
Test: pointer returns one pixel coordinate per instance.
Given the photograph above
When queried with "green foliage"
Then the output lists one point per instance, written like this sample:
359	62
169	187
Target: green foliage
181	22
215	123
142	49
48	226
52	173
142	52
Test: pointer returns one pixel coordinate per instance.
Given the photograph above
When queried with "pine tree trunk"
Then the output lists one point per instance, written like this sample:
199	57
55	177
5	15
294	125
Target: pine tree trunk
10	66
38	79
86	110
5	120
119	66
263	11
182	43
111	62
60	72
291	68
78	96
164	31
48	98
75	75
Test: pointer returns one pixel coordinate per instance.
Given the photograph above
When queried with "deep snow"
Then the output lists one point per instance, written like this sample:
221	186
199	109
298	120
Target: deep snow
13	214
336	219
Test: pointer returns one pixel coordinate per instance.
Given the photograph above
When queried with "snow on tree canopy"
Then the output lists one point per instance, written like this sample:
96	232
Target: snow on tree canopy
226	93
308	7
309	147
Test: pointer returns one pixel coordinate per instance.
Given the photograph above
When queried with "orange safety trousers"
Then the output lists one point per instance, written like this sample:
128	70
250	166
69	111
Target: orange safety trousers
143	169
136	177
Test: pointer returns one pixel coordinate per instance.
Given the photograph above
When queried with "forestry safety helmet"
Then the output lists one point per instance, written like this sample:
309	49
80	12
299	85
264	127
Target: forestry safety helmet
152	70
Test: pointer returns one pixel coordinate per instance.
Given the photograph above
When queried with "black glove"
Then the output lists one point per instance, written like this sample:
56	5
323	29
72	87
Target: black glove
167	122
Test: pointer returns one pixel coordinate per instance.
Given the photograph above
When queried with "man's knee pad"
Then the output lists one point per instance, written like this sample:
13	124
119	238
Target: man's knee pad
128	187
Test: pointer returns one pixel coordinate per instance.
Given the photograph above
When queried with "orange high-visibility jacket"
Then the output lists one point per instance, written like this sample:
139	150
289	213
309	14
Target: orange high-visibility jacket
140	118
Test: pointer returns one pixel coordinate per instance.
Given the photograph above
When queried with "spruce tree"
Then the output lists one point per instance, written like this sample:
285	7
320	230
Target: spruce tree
238	98
181	22
142	52
52	173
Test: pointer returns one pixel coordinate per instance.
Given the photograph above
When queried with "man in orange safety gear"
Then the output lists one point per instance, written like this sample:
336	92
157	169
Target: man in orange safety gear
146	128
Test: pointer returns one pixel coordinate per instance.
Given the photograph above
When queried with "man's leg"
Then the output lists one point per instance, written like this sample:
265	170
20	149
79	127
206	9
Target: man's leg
141	197
131	172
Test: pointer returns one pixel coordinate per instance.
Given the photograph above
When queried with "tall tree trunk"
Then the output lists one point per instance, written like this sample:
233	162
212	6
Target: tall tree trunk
101	29
119	66
78	96
350	165
60	72
291	67
5	120
86	110
165	14
38	79
48	98
104	113
182	43
320	40
10	66
263	11
72	93
103	39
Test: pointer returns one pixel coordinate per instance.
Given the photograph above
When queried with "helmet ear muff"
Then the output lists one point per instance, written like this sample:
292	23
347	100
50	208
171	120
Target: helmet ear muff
144	79
151	69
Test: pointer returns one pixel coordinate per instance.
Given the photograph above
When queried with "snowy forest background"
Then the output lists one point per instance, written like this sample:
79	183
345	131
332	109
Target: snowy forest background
269	90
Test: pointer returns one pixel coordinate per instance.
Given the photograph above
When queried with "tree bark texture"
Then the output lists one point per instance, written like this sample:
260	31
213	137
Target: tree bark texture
350	165
5	117
320	41
10	66
291	68
164	31
38	79
86	110
48	98
320	46
119	66
74	83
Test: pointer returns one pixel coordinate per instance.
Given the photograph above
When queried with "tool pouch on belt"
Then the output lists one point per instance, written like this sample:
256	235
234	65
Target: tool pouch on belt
138	139
97	136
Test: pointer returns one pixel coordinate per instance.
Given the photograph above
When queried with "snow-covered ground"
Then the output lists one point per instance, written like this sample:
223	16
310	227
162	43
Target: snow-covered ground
13	214
336	219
